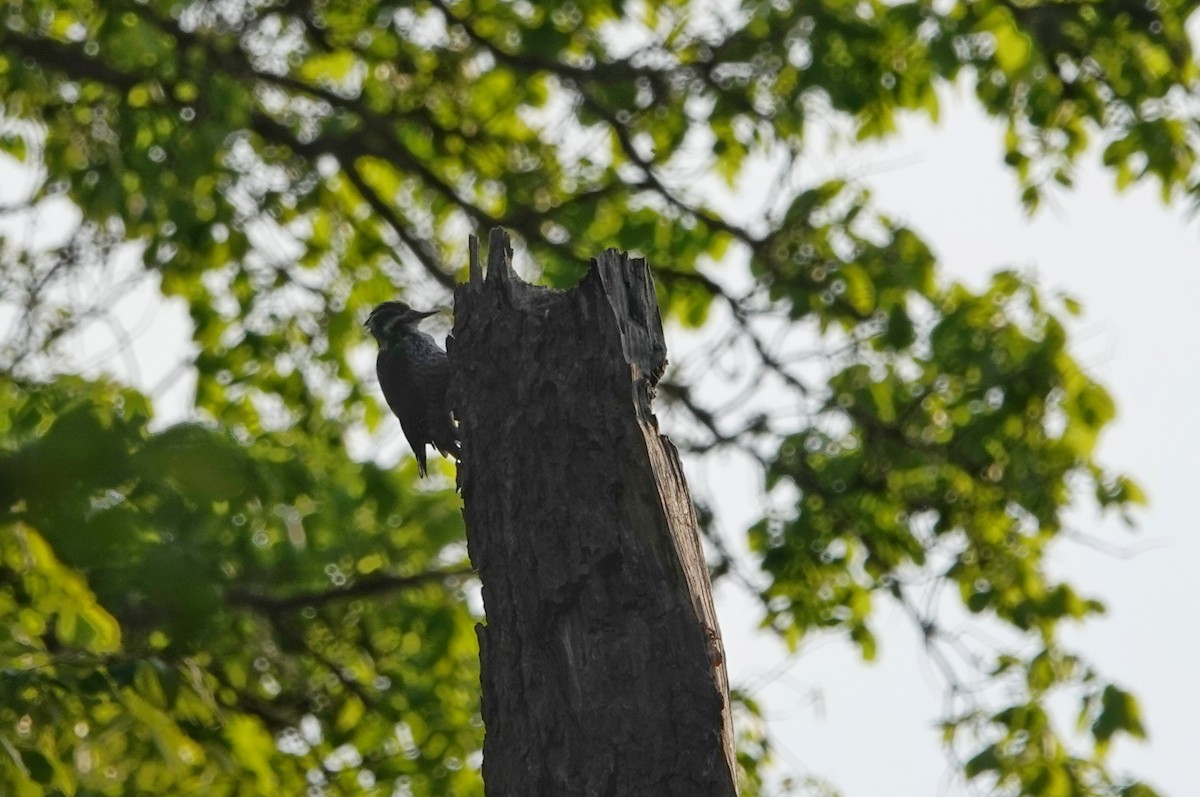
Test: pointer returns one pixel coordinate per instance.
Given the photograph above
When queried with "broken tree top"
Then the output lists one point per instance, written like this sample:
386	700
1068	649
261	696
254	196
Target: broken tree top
601	660
626	283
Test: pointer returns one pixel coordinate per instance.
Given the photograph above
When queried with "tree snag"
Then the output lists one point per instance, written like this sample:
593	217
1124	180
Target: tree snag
601	662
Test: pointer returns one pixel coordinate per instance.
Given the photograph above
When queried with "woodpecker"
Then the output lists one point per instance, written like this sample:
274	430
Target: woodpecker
414	373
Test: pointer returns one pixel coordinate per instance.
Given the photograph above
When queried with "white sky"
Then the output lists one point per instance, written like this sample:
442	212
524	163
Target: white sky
869	729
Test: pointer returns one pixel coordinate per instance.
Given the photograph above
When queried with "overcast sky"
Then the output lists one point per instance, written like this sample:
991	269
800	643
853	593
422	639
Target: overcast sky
1132	262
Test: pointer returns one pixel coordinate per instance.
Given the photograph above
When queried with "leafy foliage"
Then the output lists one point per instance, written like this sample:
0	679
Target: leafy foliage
236	605
178	615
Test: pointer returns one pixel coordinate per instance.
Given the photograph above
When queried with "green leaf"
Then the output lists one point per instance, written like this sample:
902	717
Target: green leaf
1013	47
986	760
1119	711
14	145
860	290
332	67
201	463
38	765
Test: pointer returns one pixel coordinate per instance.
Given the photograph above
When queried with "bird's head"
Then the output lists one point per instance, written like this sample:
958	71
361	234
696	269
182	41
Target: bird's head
391	319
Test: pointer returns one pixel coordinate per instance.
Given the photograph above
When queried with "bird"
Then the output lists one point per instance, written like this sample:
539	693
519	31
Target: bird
414	373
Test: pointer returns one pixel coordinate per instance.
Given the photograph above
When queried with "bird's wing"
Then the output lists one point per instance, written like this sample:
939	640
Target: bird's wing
406	398
443	430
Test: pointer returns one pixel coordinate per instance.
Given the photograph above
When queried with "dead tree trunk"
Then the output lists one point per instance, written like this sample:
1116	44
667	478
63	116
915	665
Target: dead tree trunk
601	661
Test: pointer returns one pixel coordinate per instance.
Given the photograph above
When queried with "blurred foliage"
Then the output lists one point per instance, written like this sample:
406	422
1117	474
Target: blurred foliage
176	619
234	605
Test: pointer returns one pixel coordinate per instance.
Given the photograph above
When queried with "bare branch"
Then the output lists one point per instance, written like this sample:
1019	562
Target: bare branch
240	596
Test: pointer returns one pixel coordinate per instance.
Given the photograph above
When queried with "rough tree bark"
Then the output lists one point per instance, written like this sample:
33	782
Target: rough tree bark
601	661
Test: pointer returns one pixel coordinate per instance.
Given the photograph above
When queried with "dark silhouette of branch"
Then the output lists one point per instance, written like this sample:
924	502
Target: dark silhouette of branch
346	155
379	585
71	60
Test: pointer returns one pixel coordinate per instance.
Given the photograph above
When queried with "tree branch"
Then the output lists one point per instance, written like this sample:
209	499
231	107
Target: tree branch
241	596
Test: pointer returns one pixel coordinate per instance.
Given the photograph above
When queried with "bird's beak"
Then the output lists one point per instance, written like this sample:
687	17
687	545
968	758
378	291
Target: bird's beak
424	314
